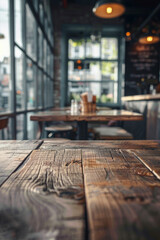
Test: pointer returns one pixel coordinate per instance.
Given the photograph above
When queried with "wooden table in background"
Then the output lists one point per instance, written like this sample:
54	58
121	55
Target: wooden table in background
77	190
82	119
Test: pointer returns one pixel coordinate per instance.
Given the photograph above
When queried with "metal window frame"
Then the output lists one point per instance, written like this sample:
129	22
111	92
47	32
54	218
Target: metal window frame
106	33
12	66
13	113
100	60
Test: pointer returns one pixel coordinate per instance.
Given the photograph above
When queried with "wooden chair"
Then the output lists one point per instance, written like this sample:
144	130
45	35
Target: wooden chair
112	133
3	125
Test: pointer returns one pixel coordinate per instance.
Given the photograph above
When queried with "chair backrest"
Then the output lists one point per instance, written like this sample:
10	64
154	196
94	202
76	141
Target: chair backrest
3	123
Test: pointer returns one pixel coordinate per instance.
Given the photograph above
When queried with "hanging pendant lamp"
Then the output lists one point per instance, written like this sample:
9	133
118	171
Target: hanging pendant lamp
108	8
149	39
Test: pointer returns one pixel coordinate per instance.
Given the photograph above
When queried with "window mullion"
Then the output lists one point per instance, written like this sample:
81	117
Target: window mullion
12	66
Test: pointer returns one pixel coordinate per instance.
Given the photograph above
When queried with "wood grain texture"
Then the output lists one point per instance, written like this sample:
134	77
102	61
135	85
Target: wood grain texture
119	144
45	198
122	196
141	97
19	145
102	115
81	190
9	161
12	155
151	159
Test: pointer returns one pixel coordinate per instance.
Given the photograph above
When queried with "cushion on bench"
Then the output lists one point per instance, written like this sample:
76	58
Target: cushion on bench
112	133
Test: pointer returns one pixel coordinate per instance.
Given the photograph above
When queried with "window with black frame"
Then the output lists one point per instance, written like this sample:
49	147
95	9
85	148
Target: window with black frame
26	62
5	78
93	65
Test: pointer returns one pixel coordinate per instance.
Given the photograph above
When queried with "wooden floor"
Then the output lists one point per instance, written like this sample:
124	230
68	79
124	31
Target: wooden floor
95	190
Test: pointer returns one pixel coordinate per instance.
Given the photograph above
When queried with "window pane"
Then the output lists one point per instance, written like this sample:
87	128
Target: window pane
76	48
31	76
110	71
48	92
93	71
51	100
31	33
45	90
105	92
92	49
19	78
35	3
109	48
40	47
75	74
52	39
20	126
46	25
48	60
75	89
39	88
18	22
32	127
5	90
52	65
45	55
50	36
41	11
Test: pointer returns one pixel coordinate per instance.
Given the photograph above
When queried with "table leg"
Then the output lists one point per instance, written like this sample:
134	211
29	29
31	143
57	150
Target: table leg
82	127
40	129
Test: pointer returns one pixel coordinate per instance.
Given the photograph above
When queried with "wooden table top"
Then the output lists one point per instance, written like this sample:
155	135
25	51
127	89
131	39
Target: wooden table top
141	97
79	190
102	115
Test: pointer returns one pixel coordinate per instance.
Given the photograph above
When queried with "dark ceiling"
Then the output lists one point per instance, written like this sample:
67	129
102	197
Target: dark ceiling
142	4
138	14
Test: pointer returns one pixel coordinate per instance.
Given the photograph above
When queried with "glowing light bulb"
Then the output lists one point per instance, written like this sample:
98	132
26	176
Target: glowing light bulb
109	10
149	39
128	34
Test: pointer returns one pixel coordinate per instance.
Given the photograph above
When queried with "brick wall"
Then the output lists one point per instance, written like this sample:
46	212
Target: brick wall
72	14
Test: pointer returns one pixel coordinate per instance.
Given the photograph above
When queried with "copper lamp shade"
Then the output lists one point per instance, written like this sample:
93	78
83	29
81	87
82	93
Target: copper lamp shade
149	39
108	9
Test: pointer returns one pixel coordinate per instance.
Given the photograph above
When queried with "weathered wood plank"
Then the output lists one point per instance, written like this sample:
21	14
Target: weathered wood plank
12	154
44	199
19	145
122	195
102	115
147	152
129	144
9	161
151	159
50	144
